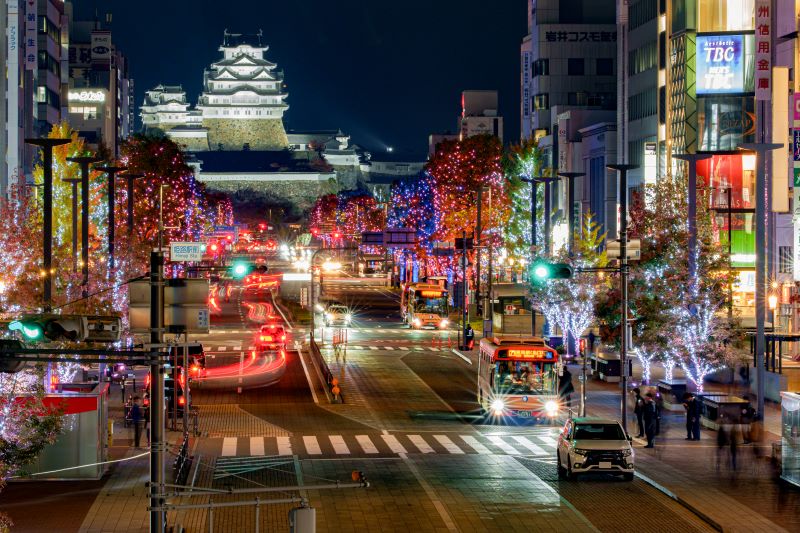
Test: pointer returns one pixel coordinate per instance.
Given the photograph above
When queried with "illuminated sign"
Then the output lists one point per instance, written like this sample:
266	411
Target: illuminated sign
87	96
530	353
720	64
431	294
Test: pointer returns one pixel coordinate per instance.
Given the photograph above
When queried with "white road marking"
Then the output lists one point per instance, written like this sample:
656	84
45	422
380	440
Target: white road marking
284	446
394	444
420	443
507	448
339	446
229	446
237	348
388	348
222	349
312	445
529	445
256	445
473	443
374	348
550	441
366	444
448	444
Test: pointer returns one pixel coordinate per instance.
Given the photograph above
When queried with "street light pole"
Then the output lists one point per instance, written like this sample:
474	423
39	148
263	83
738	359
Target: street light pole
130	177
570	176
761	150
623	169
692	160
111	172
74	182
84	162
47	146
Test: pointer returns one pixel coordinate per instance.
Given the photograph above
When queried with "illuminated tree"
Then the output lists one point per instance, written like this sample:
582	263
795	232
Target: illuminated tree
523	160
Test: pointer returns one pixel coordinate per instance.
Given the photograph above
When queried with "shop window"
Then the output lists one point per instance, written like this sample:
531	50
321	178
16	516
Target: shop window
726	15
785	261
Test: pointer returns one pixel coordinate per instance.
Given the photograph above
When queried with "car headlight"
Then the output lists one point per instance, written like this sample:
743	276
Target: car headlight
348	318
627	453
580	451
444	323
498	406
417	322
551	407
328	316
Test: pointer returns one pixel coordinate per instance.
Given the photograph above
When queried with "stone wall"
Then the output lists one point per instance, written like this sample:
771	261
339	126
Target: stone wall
261	134
192	144
297	196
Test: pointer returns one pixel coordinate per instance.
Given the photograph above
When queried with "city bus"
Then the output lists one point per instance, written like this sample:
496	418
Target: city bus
424	305
518	377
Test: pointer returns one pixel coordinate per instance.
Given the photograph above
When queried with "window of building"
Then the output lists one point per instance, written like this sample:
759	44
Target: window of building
785	261
575	66
724	122
642	12
49	28
642	58
49	63
41	95
576	98
726	15
605	66
541	101
643	104
540	67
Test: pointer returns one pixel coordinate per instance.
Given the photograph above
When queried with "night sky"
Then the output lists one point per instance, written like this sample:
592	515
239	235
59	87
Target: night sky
387	73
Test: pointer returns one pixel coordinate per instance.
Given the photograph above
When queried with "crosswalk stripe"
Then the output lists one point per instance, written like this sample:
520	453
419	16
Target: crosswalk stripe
550	441
448	444
529	445
394	444
420	443
284	446
497	441
229	446
251	348
388	348
222	349
256	445
312	445
475	445
366	444
339	446
237	349
374	348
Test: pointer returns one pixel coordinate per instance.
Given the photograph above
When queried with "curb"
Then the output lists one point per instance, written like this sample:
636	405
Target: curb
697	512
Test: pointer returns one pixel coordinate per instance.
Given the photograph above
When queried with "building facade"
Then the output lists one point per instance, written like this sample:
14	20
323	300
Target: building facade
479	115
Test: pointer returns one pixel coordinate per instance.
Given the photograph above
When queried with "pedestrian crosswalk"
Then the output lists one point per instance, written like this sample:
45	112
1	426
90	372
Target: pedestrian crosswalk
399	348
538	444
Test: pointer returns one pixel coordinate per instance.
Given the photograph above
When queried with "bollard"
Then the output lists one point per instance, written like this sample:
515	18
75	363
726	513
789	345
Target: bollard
110	432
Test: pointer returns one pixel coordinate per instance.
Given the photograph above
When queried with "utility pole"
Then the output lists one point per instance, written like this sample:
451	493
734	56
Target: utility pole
84	162
478	231
570	177
111	173
47	146
157	445
465	308
548	245
130	177
761	150
623	169
692	160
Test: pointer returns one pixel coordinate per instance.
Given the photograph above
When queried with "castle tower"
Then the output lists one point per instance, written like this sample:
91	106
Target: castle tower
242	103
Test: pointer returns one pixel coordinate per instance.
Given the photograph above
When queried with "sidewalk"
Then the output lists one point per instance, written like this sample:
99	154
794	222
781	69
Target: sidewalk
748	498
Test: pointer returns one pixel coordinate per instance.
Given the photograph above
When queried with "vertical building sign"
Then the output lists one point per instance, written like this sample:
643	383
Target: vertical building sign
12	74
780	135
796	185
31	28
763	50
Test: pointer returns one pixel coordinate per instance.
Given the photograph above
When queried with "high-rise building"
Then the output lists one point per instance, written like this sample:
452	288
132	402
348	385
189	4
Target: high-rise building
101	100
52	69
479	115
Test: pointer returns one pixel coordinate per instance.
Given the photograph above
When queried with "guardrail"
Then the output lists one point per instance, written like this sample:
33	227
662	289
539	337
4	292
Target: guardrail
331	382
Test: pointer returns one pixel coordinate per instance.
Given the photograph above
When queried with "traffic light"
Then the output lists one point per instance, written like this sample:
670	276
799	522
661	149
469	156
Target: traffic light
38	328
542	271
7	364
240	269
78	328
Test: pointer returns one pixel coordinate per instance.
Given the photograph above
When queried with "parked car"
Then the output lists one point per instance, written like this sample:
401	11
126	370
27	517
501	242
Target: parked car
589	445
338	315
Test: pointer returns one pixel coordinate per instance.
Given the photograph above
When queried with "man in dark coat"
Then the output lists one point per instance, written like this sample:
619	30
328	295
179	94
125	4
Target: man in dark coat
565	387
638	410
692	407
137	419
649	415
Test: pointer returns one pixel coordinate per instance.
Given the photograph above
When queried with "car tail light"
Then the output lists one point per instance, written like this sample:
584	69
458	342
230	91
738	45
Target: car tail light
283	338
147	381
181	401
266	338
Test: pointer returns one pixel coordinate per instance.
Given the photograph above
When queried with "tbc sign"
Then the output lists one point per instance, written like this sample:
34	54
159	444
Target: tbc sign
719	64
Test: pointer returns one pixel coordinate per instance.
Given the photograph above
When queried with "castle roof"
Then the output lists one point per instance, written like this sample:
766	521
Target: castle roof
232	40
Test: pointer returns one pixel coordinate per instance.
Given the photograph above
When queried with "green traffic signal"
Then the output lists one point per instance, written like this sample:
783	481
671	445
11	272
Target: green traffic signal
240	269
542	271
31	331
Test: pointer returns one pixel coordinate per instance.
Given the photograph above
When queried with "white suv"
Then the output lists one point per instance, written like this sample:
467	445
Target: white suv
594	445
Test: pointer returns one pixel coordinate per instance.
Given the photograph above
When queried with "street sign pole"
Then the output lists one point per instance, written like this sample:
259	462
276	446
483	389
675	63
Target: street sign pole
157	516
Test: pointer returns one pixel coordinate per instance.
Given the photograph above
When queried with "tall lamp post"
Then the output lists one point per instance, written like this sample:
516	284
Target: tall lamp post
111	172
47	146
761	150
692	160
534	181
84	162
74	182
623	169
570	177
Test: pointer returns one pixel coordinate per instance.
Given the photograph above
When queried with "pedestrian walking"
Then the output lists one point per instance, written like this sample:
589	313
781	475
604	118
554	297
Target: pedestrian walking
137	419
638	410
565	387
748	414
692	407
469	337
733	442
659	407
649	416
